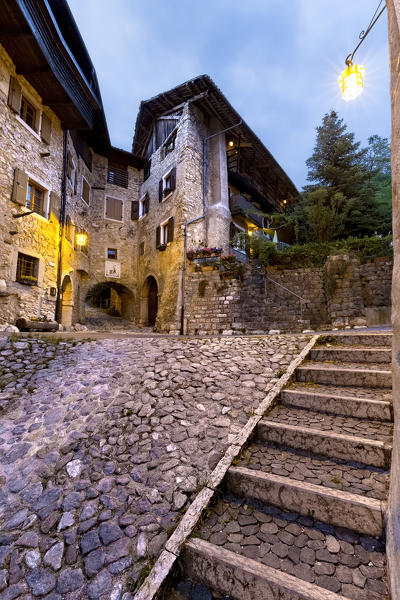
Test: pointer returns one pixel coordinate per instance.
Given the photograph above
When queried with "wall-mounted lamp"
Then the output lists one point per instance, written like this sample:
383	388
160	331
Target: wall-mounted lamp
351	80
81	239
231	143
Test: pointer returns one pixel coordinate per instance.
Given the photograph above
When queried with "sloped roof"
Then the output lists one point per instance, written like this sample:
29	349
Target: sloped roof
203	92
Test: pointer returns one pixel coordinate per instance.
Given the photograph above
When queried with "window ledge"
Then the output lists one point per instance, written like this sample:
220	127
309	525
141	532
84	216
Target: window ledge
32	131
40	217
113	220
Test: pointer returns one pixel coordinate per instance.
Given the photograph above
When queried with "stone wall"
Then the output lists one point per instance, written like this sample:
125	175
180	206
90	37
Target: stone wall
288	300
393	516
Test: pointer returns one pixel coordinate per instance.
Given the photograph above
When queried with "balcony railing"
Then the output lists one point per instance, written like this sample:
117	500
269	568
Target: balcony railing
240	206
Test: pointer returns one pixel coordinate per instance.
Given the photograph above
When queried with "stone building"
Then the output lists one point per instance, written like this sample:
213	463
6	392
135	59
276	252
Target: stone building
79	214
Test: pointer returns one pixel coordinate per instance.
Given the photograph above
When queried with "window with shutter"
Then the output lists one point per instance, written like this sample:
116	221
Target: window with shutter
135	210
168	183
20	187
55	203
160	190
170	229
28	113
117	174
14	95
158	237
113	209
45	129
85	191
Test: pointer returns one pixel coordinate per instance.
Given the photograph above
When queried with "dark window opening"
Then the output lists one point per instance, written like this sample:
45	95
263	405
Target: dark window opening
85	191
141	249
28	113
112	253
170	146
117	175
146	172
27	269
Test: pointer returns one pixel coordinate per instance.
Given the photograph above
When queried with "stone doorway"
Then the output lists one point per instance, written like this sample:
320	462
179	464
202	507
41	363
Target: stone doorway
113	299
149	301
67	302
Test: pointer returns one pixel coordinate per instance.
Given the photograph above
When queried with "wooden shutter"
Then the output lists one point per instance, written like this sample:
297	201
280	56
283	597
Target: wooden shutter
70	165
158	237
45	129
135	210
55	203
146	204
114	209
170	229
14	95
20	187
173	179
160	190
232	231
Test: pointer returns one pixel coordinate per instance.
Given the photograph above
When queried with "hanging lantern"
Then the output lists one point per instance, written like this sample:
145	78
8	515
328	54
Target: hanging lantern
81	239
351	81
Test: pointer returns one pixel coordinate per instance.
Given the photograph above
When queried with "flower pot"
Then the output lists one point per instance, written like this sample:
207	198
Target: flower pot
207	268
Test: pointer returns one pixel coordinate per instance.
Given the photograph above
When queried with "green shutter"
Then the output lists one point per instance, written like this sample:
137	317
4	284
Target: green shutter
158	237
173	179
170	229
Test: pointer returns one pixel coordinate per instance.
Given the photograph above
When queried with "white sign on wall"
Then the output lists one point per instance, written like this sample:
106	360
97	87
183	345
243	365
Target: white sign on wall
113	269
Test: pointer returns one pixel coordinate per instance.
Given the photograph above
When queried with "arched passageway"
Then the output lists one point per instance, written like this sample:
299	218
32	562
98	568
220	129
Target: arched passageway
114	298
149	301
67	302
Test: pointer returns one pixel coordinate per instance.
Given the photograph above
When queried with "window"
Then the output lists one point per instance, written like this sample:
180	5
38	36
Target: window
144	205
112	253
35	199
117	175
167	184
28	113
85	191
146	171
113	209
71	171
170	145
141	249
27	269
165	234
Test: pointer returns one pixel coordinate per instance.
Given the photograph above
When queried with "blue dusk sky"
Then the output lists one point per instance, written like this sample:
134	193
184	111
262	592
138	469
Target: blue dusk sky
276	61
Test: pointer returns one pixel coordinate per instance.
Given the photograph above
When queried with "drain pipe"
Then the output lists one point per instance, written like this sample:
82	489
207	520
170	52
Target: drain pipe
62	219
203	216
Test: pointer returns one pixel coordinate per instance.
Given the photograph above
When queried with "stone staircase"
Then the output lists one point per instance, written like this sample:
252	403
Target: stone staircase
301	514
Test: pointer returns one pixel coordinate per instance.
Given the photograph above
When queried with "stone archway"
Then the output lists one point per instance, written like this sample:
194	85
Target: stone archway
67	302
114	298
149	301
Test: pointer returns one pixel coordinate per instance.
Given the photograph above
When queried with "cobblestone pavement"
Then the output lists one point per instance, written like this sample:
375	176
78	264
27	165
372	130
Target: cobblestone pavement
376	430
104	447
304	466
334	558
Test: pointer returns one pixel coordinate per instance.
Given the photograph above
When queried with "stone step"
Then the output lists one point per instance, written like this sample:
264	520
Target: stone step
350	354
300	465
338	404
353	374
358	339
327	443
335	507
308	557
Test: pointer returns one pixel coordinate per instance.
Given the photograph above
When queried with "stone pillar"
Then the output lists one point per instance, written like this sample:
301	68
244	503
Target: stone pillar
218	212
393	515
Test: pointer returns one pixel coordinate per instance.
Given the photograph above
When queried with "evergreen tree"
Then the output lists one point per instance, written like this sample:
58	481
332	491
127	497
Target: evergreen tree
337	161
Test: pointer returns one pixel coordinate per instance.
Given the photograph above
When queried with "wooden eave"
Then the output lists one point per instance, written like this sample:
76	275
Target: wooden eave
32	38
215	105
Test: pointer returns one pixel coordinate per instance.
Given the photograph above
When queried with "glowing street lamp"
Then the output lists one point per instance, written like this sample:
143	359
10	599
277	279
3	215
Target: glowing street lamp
81	239
351	80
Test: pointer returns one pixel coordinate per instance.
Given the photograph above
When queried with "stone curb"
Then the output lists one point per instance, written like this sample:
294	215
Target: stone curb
152	584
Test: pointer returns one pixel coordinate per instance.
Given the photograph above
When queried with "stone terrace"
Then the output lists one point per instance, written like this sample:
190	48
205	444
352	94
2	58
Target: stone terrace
102	448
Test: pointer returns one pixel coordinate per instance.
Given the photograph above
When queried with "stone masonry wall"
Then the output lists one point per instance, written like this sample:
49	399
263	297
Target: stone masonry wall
259	302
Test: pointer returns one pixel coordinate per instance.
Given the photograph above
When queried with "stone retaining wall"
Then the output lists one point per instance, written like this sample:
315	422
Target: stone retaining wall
339	294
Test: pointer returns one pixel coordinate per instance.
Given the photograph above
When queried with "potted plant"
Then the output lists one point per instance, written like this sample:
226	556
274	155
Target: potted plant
28	280
191	255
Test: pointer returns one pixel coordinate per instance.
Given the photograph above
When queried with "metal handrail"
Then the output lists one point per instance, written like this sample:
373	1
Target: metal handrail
302	300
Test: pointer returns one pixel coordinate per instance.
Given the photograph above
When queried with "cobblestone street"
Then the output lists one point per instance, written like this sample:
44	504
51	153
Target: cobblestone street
103	444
